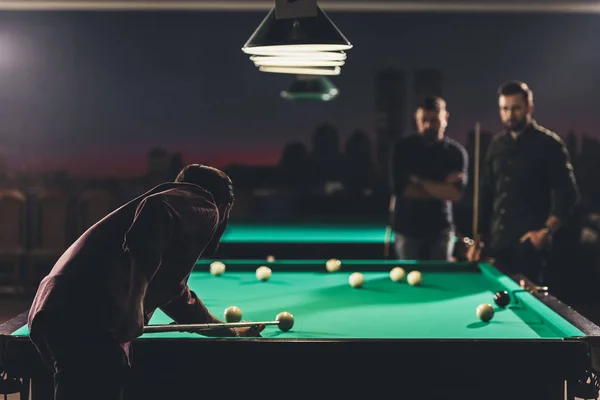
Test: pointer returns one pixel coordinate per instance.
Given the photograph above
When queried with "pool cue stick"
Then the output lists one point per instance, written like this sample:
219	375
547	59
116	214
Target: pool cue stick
476	185
388	227
202	327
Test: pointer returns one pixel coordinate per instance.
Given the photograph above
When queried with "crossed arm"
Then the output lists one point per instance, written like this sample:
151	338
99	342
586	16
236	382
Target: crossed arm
450	189
411	186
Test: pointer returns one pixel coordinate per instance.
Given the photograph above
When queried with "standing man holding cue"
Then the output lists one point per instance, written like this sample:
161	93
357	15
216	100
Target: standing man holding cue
528	188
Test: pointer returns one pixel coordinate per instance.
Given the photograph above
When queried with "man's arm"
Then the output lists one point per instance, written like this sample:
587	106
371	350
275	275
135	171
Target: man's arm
453	187
564	185
416	191
183	305
565	194
144	244
440	190
187	308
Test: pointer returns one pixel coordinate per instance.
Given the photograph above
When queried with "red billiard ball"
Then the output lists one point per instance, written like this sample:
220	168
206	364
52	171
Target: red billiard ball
502	298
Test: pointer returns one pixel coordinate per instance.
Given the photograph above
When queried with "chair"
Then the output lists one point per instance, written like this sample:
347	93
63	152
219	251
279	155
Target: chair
12	234
49	233
93	205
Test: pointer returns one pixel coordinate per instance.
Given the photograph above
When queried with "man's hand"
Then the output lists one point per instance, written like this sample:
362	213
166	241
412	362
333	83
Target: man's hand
250	331
474	250
537	238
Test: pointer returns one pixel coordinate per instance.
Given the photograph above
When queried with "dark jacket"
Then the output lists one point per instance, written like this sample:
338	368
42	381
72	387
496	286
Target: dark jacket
523	182
164	230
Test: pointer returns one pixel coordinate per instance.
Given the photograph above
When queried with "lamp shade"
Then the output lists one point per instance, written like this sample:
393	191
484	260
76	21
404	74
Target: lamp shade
315	55
296	35
306	87
300	70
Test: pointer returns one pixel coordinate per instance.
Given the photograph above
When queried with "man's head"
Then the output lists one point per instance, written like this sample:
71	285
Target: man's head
219	185
432	117
515	101
211	179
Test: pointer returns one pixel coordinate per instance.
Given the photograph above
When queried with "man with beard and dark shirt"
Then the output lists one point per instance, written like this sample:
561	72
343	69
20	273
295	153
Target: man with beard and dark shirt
104	289
528	189
428	172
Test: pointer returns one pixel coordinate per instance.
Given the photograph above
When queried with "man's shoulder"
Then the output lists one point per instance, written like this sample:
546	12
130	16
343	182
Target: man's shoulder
497	141
456	151
183	196
454	144
498	136
547	135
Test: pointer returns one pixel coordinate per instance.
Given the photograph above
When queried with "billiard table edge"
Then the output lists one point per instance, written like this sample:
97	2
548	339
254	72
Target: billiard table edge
587	346
10	326
564	310
589	328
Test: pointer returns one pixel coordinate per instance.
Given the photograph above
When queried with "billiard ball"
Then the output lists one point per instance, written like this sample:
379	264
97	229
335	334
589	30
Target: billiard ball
502	298
233	314
286	321
333	265
485	312
397	274
217	268
414	278
356	280
263	273
270	259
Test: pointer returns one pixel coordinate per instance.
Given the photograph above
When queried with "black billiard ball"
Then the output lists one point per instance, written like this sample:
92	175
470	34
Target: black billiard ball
502	298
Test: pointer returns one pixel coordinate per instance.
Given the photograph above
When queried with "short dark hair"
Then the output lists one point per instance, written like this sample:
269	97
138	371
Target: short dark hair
209	178
516	87
432	103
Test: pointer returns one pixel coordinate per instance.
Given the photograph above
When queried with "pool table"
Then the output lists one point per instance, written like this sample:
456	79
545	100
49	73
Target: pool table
387	337
303	239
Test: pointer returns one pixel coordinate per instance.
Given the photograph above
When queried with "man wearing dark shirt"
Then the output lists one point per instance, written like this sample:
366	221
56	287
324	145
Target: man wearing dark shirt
528	188
106	286
428	172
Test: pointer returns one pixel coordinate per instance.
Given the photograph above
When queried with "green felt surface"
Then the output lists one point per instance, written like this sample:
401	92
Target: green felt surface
325	306
304	233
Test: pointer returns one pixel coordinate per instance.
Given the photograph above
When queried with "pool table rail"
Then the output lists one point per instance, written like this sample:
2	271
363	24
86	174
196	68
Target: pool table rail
590	329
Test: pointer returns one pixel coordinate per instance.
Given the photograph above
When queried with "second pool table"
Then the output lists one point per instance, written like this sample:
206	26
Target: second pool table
304	239
386	337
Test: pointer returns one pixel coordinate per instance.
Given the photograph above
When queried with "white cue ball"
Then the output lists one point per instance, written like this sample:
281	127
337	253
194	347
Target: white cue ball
270	259
414	278
485	312
217	268
397	274
233	314
263	273
356	280
286	321
333	265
